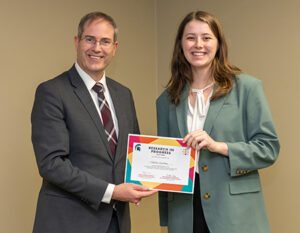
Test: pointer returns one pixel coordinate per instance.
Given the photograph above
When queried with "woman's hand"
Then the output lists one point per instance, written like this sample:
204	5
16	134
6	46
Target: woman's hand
199	139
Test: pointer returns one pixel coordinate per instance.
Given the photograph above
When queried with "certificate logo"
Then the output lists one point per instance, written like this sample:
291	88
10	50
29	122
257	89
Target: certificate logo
137	147
185	151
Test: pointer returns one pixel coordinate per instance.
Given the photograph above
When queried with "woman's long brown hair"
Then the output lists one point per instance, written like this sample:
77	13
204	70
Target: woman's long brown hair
221	70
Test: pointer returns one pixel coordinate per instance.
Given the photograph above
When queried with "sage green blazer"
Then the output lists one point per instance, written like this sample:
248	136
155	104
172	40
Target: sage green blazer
231	192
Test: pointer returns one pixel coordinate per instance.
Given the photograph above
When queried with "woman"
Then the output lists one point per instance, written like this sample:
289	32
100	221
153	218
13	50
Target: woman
224	115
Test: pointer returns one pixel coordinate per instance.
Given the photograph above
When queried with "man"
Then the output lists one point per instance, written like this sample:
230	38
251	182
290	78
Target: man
80	123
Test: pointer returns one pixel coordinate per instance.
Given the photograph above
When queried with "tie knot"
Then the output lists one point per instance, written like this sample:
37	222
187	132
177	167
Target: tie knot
98	87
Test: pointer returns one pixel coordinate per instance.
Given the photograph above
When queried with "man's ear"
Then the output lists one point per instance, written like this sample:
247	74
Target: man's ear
76	41
116	44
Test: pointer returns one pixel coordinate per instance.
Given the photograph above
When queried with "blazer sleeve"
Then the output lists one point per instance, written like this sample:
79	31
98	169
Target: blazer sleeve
162	130
162	113
50	138
261	148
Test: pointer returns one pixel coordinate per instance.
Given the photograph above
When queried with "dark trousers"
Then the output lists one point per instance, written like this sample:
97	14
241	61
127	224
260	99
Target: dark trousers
199	225
114	224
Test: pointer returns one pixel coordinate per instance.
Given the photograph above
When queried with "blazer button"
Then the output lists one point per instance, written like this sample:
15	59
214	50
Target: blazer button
206	195
204	168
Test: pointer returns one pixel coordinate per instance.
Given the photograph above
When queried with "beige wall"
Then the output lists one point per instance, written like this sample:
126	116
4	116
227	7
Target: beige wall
37	44
264	40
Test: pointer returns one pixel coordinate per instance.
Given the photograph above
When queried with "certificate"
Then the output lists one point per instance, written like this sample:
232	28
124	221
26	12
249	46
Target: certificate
161	163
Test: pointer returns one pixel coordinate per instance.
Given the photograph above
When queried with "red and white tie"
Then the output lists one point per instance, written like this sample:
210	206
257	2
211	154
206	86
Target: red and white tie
106	118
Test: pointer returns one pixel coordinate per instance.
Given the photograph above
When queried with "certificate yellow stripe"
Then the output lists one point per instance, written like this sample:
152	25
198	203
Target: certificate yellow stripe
165	141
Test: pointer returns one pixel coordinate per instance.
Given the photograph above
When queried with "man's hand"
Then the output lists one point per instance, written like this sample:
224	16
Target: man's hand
131	193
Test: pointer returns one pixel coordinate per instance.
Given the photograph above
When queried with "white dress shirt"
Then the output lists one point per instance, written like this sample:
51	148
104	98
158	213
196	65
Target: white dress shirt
90	83
196	116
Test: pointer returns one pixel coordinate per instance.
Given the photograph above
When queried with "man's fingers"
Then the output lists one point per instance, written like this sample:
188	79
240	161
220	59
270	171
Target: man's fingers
142	188
137	202
147	193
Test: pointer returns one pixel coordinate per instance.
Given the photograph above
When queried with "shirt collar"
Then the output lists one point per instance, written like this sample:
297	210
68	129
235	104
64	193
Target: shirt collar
88	80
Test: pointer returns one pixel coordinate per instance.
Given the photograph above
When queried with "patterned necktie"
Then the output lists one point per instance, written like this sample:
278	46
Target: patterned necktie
106	118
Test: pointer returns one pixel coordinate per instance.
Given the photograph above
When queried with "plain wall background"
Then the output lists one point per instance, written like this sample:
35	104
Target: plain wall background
37	44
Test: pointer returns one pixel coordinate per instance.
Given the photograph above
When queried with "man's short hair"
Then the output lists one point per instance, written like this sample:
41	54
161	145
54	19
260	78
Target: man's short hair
90	17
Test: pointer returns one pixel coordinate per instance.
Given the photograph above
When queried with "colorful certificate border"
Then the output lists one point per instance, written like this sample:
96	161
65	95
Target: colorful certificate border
135	138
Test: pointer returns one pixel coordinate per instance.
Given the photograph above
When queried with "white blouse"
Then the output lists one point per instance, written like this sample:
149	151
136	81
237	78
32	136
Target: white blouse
196	116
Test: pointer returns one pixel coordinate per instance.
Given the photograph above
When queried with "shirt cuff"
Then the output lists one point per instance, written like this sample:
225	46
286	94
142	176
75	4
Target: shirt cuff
108	193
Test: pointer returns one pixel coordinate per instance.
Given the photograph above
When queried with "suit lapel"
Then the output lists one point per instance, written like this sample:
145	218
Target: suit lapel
182	109
85	98
117	102
181	112
213	112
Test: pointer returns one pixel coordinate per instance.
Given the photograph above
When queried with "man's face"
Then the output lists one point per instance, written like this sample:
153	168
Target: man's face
96	47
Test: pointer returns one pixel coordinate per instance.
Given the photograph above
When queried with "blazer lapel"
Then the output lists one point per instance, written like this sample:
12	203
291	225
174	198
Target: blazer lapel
213	112
85	98
182	109
181	112
117	102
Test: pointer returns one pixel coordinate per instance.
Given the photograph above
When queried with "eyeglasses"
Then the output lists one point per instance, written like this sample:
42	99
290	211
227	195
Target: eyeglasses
90	40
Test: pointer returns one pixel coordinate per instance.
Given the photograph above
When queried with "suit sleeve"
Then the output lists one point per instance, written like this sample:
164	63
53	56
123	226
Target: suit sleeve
162	130
262	146
50	138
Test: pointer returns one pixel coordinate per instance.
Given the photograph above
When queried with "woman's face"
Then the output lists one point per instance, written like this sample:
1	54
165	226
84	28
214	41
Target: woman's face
199	44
